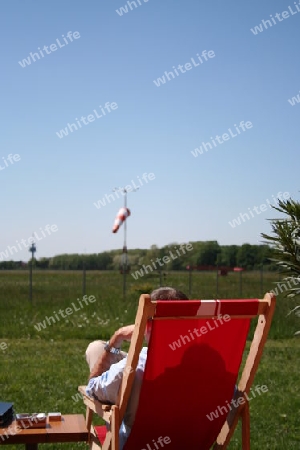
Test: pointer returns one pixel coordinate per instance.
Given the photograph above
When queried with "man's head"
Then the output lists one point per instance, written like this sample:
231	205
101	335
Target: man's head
167	293
163	293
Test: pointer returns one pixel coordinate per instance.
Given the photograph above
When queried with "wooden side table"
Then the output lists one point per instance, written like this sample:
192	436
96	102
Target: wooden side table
71	428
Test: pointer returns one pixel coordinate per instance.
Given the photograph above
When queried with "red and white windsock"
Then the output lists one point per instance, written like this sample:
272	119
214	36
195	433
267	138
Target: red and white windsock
121	217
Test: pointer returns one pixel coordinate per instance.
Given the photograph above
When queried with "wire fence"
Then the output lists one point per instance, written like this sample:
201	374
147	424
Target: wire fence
196	284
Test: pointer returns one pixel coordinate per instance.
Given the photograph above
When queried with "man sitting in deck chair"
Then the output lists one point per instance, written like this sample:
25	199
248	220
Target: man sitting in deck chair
107	363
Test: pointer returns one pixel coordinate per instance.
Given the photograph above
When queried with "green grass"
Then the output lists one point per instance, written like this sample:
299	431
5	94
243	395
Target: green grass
40	370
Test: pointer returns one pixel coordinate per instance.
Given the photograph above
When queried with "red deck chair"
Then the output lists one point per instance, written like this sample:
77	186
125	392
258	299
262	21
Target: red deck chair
194	358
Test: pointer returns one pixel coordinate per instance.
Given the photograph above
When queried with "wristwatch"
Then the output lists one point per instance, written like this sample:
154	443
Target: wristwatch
111	349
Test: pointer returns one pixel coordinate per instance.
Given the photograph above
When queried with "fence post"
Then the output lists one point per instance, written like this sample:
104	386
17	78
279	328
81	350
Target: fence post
190	281
30	280
241	283
83	279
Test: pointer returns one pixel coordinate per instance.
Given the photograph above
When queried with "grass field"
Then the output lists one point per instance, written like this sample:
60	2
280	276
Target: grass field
40	370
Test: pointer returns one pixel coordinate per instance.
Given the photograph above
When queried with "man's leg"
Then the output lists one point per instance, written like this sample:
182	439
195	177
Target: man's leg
95	350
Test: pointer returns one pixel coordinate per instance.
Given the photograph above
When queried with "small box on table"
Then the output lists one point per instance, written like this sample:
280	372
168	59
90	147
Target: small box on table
35	420
54	417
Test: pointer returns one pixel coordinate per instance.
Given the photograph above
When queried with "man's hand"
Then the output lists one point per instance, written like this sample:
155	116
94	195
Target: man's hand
122	334
107	359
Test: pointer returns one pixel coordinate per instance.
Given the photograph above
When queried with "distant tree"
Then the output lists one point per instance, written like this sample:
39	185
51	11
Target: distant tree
208	254
245	256
42	263
228	255
104	261
202	253
8	265
153	253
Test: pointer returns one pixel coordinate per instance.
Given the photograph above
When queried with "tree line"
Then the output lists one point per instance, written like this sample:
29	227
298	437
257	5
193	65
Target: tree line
202	253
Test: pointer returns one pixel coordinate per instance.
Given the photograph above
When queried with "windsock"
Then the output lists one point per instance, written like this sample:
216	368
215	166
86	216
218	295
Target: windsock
121	217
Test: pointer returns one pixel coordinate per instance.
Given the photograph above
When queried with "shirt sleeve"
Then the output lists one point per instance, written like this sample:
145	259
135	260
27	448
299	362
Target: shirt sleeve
105	387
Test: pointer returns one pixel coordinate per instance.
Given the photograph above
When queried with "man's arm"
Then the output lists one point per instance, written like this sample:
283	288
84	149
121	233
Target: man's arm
107	359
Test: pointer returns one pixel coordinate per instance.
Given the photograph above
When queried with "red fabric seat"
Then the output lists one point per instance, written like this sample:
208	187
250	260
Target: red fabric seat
189	374
101	432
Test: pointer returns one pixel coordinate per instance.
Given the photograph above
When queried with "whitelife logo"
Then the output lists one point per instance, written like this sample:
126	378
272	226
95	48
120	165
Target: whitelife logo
236	402
65	313
10	250
205	146
124	9
3	346
9	160
265	24
294	100
257	209
212	325
166	259
285	286
206	55
53	47
161	441
86	119
128	188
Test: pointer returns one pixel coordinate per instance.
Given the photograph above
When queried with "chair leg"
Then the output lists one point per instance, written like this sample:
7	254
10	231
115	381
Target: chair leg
115	426
95	446
88	422
107	443
94	443
88	418
245	415
236	413
112	437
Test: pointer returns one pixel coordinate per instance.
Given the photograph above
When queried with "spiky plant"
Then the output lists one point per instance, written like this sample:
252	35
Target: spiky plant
286	244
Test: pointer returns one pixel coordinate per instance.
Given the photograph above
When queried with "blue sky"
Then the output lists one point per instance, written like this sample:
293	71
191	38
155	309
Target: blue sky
116	58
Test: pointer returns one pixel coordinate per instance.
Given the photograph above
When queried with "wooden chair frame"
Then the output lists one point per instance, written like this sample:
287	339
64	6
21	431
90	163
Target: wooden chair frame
114	414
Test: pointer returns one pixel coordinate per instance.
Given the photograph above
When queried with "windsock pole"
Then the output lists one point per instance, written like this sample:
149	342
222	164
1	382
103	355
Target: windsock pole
126	213
125	261
125	223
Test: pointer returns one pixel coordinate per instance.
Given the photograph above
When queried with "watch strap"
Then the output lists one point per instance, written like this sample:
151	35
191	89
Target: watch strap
110	349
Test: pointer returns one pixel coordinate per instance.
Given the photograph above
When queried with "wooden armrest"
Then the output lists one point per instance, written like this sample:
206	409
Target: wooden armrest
103	410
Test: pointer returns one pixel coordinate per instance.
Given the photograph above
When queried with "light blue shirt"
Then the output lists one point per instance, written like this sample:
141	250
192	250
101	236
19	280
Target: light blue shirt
106	388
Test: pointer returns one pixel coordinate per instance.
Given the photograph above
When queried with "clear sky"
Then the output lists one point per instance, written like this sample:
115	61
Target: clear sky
113	60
